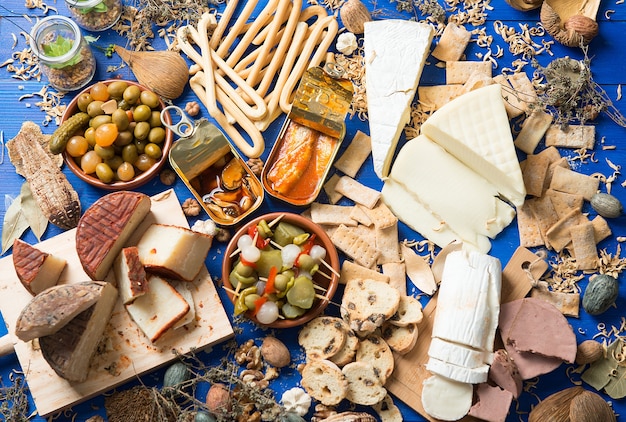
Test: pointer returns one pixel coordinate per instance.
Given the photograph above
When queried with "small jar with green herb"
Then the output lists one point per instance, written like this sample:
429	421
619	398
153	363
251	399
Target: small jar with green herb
95	15
64	55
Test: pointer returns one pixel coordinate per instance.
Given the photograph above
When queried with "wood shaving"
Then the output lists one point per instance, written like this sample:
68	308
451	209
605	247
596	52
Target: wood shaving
39	4
522	43
355	71
564	276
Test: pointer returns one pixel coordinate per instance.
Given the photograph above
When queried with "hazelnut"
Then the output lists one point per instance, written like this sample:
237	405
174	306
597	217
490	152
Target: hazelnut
218	398
354	14
275	352
589	351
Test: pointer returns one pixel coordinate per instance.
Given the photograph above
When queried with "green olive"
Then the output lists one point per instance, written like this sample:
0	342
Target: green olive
94	108
156	135
90	136
155	119
149	98
141	145
124	138
144	162
250	300
244	270
131	94
142	130
130	154
83	101
114	162
116	89
153	151
104	173
124	105
99	120
281	281
106	153
120	118
142	113
306	263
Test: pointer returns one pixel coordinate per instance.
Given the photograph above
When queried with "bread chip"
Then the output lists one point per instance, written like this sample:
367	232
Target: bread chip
409	312
367	304
533	129
322	337
357	192
387	410
559	234
574	136
352	271
560	163
584	246
524	89
329	188
364	386
324	381
396	272
436	96
400	339
459	72
332	215
601	228
565	180
452	43
564	202
545	215
375	351
348	351
355	155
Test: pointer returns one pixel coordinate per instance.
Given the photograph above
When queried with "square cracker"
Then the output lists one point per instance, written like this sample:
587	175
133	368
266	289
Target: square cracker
564	202
545	215
436	96
458	72
584	246
355	155
396	272
570	181
512	102
332	215
357	214
357	191
361	251
574	136
352	271
601	229
529	231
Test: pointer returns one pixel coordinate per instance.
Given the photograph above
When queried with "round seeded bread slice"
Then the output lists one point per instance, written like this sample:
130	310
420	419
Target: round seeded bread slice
324	381
348	351
323	337
364	385
409	312
375	351
400	339
387	410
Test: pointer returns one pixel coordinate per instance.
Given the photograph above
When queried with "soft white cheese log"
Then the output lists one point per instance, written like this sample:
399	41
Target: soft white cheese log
475	129
445	399
173	252
395	52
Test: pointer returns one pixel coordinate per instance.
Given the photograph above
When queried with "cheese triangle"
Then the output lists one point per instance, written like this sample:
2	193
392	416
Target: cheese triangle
475	129
395	52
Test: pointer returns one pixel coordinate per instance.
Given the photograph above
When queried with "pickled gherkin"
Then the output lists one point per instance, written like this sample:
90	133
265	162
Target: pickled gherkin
63	133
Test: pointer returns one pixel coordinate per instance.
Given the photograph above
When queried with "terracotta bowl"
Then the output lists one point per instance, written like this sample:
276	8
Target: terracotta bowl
321	238
140	178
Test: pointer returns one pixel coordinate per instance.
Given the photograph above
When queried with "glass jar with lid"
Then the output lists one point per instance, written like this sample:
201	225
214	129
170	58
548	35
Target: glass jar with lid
64	56
95	15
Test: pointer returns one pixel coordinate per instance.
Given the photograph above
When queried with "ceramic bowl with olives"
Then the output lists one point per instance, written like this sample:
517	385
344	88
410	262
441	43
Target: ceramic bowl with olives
124	144
280	270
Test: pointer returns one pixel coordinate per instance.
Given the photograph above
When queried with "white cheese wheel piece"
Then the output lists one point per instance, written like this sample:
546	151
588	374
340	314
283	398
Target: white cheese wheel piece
173	252
445	399
395	52
184	289
476	130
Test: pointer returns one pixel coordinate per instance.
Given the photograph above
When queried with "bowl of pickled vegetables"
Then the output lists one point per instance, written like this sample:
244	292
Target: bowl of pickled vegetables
117	140
280	270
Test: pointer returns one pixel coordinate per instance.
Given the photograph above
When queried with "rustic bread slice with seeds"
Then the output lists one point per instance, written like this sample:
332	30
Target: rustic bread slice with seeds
324	381
375	351
400	339
348	351
322	337
387	410
364	385
409	312
366	304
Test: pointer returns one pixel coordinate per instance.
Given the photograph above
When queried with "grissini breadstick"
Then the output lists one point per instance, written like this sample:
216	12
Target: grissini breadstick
233	32
219	30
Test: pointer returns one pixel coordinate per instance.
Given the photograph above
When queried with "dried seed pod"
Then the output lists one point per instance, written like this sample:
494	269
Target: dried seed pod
354	14
524	5
590	407
589	351
607	205
573	31
556	407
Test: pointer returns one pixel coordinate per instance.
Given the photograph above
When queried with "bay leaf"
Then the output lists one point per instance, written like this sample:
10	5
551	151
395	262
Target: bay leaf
14	224
35	217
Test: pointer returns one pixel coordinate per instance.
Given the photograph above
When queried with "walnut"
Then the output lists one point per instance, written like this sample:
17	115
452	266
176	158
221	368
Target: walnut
191	207
168	177
254	378
192	108
272	373
242	351
322	412
256	165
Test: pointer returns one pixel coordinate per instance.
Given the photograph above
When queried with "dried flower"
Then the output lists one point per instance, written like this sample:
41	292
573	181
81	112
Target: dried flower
191	207
192	108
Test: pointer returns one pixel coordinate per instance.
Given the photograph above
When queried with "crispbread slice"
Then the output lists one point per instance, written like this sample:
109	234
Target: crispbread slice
409	312
55	307
387	410
400	339
367	304
375	351
324	381
323	337
364	386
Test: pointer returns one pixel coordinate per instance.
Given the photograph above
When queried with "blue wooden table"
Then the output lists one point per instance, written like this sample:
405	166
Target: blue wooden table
609	70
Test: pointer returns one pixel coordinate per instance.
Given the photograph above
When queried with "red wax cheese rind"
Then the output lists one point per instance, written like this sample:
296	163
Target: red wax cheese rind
530	365
35	269
539	327
130	275
105	227
493	403
504	373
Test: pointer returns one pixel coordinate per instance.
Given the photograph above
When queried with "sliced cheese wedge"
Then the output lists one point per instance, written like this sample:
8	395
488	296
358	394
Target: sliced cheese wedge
446	187
445	399
475	129
458	373
395	53
183	288
36	270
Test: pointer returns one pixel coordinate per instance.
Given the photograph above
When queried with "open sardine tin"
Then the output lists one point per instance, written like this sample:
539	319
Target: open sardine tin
216	175
309	139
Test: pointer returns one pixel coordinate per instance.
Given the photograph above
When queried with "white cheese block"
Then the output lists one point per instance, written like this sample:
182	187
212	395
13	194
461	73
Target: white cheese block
183	288
445	399
475	129
395	52
469	300
457	354
458	373
173	252
461	198
159	309
130	274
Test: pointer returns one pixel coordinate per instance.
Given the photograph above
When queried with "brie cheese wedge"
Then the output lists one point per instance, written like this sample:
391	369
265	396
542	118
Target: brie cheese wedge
395	53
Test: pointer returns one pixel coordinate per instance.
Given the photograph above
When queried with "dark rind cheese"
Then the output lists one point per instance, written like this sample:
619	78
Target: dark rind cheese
70	349
35	269
105	227
130	275
55	307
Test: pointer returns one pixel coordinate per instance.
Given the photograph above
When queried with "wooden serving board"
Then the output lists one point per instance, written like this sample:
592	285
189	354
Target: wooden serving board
124	352
410	371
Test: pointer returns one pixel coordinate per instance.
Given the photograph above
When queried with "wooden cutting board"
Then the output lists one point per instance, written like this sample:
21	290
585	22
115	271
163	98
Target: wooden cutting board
410	370
124	352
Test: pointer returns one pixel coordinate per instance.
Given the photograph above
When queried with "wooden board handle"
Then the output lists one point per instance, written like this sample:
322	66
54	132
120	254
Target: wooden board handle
6	345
